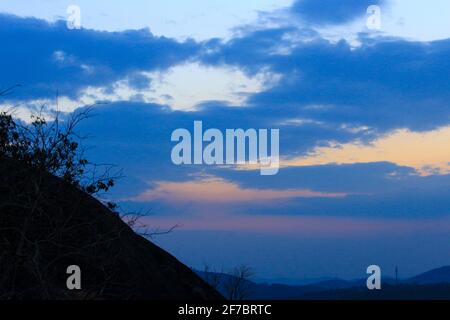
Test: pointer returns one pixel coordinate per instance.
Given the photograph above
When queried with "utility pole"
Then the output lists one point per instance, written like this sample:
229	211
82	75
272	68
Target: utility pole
396	275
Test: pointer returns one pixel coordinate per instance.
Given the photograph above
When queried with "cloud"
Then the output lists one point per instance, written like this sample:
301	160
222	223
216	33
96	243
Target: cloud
45	57
192	84
214	190
423	151
383	84
327	12
306	226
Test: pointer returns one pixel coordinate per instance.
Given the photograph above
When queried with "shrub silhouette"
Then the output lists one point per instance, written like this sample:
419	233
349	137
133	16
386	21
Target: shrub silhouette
52	147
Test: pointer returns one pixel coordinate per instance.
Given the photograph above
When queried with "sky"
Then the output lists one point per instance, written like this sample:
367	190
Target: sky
363	115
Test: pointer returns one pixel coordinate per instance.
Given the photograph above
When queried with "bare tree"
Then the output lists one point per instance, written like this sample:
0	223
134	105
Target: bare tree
212	277
135	221
237	287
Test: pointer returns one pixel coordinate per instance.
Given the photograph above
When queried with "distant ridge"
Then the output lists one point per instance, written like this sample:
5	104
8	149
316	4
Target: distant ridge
433	284
434	276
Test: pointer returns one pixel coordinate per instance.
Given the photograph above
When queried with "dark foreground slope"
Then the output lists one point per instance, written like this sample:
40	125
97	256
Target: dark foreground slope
47	225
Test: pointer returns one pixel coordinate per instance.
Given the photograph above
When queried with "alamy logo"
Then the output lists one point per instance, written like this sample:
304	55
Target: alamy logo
73	17
74	280
374	279
238	144
373	21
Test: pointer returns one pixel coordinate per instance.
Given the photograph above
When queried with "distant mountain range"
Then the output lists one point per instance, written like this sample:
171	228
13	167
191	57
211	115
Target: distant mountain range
433	284
439	275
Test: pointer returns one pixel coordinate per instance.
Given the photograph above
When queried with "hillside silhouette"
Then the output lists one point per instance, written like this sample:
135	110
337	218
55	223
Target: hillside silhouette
70	227
50	220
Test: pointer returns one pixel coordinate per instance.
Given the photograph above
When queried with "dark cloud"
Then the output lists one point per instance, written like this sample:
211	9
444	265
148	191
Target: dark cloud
45	57
385	83
326	12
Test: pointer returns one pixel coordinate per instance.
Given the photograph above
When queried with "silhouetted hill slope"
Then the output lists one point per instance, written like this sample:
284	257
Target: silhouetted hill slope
47	225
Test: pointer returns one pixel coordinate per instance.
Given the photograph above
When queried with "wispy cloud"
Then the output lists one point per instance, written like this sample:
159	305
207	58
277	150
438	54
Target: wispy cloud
305	226
215	190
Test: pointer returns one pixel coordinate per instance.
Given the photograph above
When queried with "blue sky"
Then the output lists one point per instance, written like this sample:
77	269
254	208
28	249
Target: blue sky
201	19
363	114
204	19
